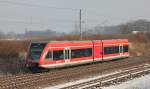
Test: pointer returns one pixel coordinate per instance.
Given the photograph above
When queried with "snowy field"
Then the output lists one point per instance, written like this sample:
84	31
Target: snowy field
138	83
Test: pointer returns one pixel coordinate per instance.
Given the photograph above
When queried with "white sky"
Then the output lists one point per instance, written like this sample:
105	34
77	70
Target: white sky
16	15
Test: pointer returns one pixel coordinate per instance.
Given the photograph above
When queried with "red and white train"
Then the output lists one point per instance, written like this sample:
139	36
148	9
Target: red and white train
57	54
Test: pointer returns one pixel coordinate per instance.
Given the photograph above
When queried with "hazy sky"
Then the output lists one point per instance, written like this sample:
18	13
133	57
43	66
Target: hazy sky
18	15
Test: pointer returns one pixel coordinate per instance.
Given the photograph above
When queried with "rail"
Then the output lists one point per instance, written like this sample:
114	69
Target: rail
113	78
55	77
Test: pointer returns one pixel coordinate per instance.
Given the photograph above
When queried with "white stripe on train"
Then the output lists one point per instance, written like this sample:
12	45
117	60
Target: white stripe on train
81	62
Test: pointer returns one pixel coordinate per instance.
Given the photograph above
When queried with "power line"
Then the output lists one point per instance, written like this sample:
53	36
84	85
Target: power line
29	23
72	9
102	15
39	6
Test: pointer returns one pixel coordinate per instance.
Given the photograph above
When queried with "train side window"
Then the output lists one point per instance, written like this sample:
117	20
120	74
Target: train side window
125	48
58	55
116	49
77	53
49	55
111	50
107	50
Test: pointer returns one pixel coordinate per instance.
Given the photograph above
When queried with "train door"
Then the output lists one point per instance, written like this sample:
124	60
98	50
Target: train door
121	49
67	55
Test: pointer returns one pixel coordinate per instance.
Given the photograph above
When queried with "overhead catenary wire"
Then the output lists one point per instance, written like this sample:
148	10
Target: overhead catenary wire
38	6
95	13
84	20
60	8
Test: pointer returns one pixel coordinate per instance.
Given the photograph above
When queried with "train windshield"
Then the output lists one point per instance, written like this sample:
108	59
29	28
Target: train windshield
36	50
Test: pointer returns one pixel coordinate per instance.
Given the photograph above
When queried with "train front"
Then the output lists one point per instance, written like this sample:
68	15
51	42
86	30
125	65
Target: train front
33	56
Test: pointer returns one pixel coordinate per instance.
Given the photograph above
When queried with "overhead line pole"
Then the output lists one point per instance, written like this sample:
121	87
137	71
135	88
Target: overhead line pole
80	23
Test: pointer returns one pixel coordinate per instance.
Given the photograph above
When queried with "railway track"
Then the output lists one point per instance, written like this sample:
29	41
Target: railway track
54	77
109	79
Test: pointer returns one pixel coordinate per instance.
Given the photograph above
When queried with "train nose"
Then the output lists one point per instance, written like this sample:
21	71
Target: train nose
32	66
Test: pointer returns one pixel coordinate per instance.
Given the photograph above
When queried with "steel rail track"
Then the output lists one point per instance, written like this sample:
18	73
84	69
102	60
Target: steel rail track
110	79
56	76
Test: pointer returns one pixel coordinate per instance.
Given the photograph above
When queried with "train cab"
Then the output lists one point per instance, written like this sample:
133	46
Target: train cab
35	51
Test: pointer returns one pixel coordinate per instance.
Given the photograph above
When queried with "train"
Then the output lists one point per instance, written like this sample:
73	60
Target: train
59	54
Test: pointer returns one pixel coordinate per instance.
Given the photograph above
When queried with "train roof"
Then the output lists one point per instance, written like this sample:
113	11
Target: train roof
78	40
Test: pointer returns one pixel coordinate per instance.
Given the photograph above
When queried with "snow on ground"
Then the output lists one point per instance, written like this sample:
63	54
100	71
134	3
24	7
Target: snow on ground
80	81
138	83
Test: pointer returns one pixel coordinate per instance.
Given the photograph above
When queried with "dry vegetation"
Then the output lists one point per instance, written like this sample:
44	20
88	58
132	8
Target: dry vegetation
12	52
12	48
11	56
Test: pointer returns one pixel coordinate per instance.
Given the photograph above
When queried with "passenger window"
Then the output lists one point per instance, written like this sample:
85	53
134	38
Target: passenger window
111	50
49	55
58	55
125	48
77	53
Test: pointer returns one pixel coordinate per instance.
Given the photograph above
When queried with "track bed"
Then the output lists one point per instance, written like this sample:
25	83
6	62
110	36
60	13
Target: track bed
58	76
